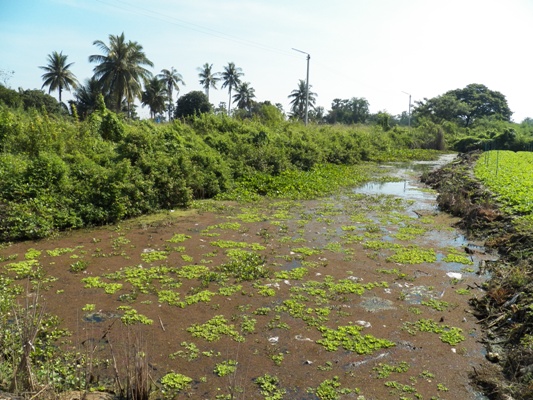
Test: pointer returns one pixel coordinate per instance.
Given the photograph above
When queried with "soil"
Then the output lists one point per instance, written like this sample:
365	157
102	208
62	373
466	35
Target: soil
343	229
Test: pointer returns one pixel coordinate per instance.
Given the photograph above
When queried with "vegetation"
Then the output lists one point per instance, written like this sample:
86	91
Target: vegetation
58	75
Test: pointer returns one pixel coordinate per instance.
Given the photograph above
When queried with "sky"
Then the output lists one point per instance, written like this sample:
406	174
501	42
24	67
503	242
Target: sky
385	51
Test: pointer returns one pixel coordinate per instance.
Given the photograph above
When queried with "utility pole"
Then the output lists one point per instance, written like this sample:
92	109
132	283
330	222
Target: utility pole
306	86
409	115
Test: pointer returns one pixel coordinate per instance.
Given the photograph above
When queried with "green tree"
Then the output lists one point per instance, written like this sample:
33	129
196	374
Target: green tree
244	96
171	78
192	103
120	69
154	96
86	97
348	111
464	106
208	78
231	78
38	100
58	76
299	99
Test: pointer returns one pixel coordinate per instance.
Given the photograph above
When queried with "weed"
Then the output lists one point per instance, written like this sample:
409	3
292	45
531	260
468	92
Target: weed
269	387
79	266
385	370
225	368
213	329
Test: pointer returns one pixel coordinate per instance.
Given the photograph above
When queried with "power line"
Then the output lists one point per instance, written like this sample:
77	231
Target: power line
145	12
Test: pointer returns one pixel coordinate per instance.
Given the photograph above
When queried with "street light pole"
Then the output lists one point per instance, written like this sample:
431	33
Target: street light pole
306	86
409	115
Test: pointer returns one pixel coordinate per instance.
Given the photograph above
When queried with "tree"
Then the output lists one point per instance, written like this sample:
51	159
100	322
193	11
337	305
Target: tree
120	69
231	78
171	78
208	79
299	99
192	103
464	106
87	97
244	95
154	96
58	75
348	111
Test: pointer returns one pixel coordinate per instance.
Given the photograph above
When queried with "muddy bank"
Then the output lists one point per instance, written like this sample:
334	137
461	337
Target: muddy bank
505	309
359	295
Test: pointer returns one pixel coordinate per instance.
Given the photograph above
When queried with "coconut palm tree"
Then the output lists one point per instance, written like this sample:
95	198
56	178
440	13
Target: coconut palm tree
208	79
120	69
154	96
86	97
244	94
231	77
171	78
299	98
58	76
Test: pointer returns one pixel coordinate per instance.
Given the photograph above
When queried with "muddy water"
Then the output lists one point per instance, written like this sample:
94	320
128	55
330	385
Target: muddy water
353	237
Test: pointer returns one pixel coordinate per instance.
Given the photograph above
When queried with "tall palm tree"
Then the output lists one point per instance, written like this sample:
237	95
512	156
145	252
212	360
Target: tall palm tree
121	69
208	79
58	76
154	96
171	79
244	94
231	77
299	98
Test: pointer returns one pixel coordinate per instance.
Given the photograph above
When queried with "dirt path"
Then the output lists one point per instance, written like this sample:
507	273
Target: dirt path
365	291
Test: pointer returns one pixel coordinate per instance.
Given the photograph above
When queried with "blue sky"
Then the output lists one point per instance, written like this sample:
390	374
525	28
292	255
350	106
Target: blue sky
375	49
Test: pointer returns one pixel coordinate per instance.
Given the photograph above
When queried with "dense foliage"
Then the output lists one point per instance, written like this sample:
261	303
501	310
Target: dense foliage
57	173
464	106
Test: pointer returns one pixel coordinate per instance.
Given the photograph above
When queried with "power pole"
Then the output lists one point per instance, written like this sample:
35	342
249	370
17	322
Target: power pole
306	86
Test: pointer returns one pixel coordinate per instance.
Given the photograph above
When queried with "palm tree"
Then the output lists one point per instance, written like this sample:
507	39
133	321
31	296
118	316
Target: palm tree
231	78
86	97
244	95
154	96
208	78
170	78
299	98
58	76
120	69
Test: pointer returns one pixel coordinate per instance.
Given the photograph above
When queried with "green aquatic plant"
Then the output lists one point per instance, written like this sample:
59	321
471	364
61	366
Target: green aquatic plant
154	255
225	368
32	254
413	255
269	387
385	370
350	339
213	329
132	317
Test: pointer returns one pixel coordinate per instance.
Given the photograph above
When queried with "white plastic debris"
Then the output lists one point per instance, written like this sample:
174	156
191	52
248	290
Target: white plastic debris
454	275
286	282
366	324
303	339
273	339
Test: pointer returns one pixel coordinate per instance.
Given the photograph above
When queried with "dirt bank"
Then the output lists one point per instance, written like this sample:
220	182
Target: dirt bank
504	310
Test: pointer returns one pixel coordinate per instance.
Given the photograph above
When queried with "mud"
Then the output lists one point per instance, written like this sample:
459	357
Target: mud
344	230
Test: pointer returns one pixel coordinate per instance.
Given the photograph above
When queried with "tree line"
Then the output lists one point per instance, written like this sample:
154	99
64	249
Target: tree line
121	75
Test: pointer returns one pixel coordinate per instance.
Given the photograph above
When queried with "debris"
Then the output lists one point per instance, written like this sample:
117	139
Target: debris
454	275
364	323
